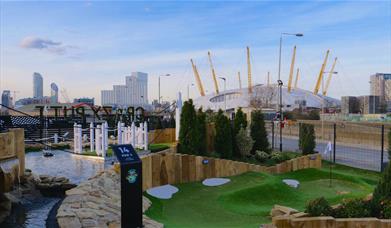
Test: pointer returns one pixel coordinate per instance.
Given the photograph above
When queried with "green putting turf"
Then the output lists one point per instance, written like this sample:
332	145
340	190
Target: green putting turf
246	201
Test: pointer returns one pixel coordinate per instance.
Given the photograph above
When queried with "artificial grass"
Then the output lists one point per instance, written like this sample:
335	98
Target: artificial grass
246	201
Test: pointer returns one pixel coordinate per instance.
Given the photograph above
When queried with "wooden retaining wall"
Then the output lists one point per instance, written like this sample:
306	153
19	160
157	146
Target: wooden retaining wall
162	135
172	168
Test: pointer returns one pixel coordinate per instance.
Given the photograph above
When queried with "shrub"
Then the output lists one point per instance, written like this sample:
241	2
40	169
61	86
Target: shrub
382	191
277	156
244	143
354	208
187	132
318	207
389	145
258	132
386	209
238	123
223	138
307	138
261	156
200	135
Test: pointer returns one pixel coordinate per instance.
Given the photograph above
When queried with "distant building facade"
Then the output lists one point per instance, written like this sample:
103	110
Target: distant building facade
31	100
85	100
6	98
134	92
53	93
37	85
350	104
370	104
381	86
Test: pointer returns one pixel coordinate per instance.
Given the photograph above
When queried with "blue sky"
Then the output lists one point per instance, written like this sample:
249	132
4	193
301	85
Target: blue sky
87	46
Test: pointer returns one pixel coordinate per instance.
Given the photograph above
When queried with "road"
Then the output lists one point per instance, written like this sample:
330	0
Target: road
364	158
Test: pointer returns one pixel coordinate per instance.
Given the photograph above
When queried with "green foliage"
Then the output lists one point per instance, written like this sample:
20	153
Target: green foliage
314	115
258	132
354	208
158	147
240	121
187	133
386	209
307	138
277	156
200	135
244	142
382	191
389	145
261	156
223	138
318	207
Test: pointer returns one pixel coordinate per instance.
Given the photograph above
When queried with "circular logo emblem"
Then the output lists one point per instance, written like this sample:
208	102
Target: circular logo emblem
132	176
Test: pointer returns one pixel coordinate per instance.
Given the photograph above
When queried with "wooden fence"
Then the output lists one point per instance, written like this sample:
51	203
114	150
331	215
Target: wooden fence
168	167
162	135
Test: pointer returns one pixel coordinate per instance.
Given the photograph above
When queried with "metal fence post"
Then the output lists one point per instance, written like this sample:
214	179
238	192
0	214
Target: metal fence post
272	135
382	148
335	141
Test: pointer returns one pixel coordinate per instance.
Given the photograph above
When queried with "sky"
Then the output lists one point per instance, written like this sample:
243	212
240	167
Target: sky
87	46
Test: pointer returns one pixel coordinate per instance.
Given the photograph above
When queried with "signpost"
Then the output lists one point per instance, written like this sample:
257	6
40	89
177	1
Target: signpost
131	186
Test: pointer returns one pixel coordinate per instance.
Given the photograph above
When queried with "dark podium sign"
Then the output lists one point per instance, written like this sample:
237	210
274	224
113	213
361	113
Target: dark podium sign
131	186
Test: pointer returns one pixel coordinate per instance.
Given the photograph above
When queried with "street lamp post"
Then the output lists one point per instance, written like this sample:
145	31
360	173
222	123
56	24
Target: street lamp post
166	75
279	79
188	90
225	95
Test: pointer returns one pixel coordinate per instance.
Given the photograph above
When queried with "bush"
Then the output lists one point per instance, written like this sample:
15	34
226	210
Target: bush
187	132
386	210
239	123
223	138
382	191
244	142
277	156
200	135
389	145
354	208
318	207
261	156
307	138
258	132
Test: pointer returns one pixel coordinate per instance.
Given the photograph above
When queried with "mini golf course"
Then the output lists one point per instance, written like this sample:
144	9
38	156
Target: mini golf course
247	199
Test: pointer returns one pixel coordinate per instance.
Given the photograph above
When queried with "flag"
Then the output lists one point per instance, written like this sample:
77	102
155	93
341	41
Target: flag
328	148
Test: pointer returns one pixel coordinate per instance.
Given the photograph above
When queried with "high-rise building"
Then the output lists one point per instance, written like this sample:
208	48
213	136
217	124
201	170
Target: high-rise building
350	104
381	86
370	104
6	99
134	92
37	85
53	93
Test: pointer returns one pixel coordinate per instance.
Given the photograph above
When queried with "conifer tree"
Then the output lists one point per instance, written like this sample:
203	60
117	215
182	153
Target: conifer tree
187	130
223	138
258	132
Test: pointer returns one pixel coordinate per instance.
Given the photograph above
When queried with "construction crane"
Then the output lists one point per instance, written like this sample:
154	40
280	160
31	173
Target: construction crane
249	70
198	79
320	77
240	81
213	73
291	70
64	95
297	77
331	72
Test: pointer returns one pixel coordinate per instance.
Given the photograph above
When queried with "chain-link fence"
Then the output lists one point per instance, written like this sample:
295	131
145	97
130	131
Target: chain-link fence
361	145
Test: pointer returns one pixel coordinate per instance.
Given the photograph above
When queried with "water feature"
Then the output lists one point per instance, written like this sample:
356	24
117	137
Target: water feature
33	211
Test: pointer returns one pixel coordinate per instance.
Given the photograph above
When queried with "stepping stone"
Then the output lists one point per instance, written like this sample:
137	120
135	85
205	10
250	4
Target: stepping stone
215	181
292	183
163	192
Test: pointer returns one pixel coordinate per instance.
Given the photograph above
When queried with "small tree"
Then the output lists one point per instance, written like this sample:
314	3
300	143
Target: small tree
244	142
389	145
223	138
200	135
187	137
240	121
307	138
258	132
382	191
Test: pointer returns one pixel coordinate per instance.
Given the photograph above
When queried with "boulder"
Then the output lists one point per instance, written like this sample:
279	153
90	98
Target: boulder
279	210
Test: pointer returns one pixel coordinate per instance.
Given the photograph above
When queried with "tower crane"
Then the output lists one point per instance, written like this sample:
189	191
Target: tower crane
331	72
240	81
320	77
198	79
213	73
297	77
291	70
249	70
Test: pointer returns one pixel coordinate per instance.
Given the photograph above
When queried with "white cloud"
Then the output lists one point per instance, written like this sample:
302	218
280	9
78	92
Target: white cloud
48	45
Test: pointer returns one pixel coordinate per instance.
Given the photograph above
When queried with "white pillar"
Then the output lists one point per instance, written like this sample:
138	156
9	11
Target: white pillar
178	115
92	140
123	132
133	135
98	140
75	138
145	135
106	136
119	132
80	139
55	137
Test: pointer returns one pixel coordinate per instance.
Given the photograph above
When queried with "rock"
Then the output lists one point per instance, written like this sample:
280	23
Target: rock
69	222
292	183
60	179
278	210
215	181
163	192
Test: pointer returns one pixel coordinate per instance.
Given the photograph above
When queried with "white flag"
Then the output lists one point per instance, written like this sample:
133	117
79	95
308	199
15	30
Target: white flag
328	148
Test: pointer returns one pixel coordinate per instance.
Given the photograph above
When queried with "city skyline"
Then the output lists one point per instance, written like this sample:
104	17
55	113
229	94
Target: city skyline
99	43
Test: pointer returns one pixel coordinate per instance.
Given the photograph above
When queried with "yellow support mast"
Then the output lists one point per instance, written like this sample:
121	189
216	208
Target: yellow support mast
297	78
331	72
198	79
249	71
268	78
320	77
240	81
291	70
213	73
